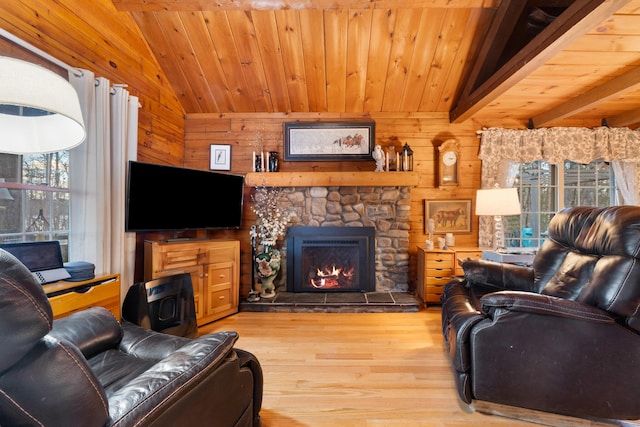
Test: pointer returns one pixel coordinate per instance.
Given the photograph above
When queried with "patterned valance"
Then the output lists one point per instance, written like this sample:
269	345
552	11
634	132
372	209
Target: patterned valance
501	150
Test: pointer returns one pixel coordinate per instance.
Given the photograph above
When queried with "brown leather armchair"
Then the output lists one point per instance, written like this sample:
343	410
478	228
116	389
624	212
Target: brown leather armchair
89	370
561	336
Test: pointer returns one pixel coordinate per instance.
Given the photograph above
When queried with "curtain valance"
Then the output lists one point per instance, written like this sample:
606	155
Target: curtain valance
554	145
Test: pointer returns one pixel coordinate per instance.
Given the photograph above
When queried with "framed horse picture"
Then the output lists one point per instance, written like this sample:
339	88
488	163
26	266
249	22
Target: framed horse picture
329	141
449	216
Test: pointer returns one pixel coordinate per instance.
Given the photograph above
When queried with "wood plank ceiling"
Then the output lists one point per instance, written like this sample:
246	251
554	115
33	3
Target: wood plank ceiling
401	56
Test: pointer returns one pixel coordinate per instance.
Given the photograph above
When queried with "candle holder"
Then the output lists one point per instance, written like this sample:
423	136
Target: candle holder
407	158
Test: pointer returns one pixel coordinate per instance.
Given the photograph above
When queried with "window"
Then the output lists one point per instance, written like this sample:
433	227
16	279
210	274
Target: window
545	188
36	206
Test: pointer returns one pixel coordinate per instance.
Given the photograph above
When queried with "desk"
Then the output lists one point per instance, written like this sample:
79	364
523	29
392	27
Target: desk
523	258
69	297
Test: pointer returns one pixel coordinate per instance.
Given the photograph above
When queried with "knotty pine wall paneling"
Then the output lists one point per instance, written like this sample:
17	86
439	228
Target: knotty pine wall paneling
108	43
263	131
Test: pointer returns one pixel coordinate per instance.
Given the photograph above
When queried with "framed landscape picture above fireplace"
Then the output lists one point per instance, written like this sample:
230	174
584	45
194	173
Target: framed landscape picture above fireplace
328	141
449	216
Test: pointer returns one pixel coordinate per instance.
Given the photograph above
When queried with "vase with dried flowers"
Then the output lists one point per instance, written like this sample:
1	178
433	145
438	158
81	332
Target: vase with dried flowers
272	220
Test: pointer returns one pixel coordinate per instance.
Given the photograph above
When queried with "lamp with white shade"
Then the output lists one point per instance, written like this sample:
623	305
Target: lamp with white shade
497	202
39	110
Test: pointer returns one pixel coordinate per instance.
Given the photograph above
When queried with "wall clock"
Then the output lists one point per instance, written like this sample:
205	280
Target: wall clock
449	163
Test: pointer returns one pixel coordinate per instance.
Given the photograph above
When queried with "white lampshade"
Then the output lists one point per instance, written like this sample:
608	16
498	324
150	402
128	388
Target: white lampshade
497	201
24	84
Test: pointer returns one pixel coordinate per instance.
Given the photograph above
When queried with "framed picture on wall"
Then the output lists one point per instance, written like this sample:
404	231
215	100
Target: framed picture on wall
328	141
220	157
449	216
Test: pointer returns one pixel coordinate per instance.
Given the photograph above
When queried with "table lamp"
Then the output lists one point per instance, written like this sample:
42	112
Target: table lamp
497	202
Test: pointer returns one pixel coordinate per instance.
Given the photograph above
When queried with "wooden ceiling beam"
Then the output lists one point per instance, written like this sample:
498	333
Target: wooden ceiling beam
191	5
496	39
615	87
578	19
627	118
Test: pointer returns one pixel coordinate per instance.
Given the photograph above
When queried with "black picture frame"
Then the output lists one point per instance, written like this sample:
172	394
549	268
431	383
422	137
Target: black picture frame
329	141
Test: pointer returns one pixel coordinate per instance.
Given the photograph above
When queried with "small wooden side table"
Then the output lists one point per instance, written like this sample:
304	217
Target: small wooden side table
68	297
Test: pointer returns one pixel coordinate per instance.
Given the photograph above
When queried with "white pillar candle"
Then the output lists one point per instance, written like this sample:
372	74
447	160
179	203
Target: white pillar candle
262	162
253	162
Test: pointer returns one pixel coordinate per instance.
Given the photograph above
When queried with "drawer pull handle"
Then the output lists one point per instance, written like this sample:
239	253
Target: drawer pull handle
220	298
221	276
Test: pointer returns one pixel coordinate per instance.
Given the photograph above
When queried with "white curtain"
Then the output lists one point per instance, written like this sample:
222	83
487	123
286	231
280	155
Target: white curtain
628	181
124	137
500	149
98	176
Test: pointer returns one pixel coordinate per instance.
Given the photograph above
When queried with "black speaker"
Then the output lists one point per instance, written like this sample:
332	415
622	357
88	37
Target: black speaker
164	305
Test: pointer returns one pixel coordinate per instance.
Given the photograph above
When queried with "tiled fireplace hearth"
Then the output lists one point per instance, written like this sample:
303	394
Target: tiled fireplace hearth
385	210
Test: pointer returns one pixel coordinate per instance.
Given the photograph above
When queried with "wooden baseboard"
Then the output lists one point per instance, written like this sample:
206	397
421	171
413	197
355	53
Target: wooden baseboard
546	418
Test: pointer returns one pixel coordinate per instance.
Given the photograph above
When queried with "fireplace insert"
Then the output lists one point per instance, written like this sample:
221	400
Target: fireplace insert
330	259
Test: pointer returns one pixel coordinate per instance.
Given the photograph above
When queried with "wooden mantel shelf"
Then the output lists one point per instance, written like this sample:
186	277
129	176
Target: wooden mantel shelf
331	179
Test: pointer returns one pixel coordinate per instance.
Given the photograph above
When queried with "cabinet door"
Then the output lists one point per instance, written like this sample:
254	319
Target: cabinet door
220	295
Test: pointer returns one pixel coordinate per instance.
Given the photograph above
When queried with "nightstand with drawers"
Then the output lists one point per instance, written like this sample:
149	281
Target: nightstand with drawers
437	267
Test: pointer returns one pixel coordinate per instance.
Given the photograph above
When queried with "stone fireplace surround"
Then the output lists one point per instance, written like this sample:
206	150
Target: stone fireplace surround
384	208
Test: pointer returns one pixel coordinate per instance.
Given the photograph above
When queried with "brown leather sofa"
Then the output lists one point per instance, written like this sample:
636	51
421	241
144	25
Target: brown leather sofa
89	370
561	336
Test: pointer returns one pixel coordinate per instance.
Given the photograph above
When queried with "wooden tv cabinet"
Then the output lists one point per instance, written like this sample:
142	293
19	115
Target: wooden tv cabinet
68	297
214	266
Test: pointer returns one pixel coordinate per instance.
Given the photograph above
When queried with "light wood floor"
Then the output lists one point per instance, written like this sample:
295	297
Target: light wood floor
354	370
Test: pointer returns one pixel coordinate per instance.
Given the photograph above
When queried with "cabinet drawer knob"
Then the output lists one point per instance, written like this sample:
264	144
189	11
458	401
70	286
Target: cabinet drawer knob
221	298
221	276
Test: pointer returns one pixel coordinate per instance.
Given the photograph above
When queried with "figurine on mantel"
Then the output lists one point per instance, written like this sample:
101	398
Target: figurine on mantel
378	156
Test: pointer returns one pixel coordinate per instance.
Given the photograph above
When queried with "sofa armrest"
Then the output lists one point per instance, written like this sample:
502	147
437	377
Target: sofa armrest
92	330
526	302
250	361
159	387
500	276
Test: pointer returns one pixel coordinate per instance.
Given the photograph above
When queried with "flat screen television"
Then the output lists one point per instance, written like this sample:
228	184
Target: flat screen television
169	198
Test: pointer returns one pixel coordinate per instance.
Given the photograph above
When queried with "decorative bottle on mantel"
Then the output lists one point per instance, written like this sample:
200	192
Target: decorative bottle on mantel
391	158
273	161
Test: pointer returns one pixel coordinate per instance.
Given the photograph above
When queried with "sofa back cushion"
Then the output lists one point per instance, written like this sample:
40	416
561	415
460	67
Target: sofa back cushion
25	312
592	256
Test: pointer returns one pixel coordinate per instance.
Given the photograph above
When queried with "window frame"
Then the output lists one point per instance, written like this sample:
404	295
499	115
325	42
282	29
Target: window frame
50	204
537	220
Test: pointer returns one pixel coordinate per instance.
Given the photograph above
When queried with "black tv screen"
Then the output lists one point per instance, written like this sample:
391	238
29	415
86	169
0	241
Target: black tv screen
171	198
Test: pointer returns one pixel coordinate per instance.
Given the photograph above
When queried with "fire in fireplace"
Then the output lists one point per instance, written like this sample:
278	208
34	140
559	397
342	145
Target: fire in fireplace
330	259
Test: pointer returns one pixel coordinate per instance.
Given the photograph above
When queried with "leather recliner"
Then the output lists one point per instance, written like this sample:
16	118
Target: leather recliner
89	370
561	336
